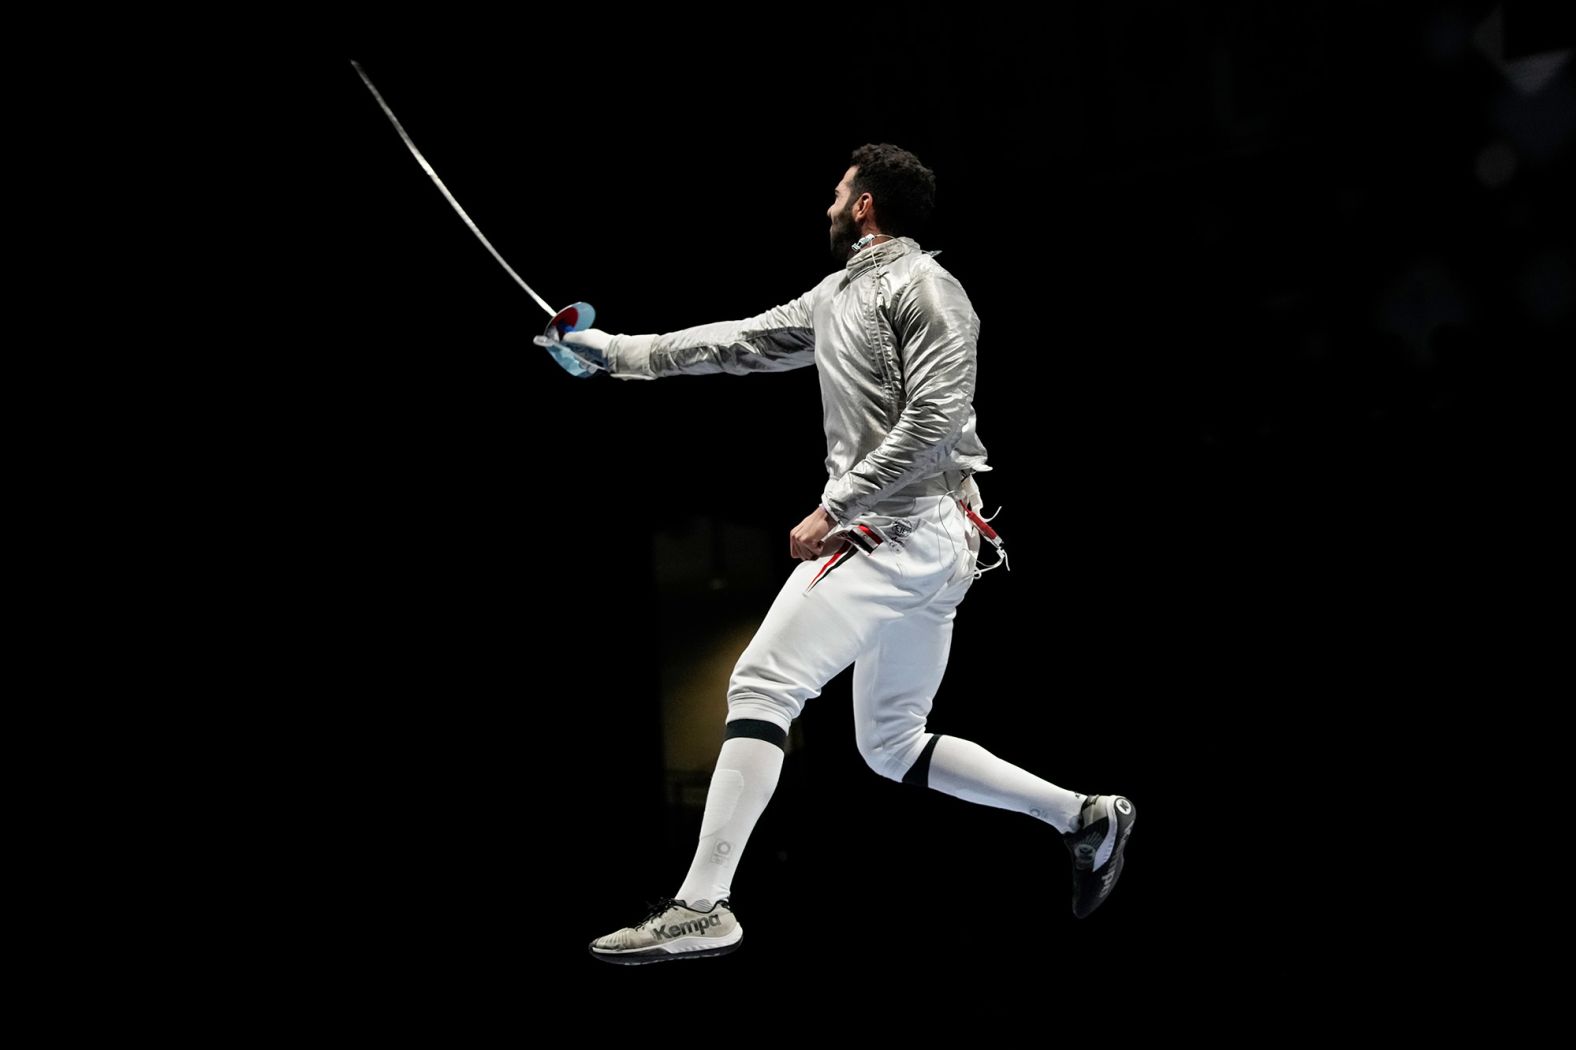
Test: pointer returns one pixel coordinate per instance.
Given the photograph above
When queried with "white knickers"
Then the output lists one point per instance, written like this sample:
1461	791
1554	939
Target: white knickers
889	613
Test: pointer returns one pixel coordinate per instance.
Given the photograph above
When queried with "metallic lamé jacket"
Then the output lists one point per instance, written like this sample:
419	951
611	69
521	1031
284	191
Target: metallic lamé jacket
893	336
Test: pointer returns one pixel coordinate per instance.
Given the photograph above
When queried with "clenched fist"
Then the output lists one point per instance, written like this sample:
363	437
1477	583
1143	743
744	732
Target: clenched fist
807	540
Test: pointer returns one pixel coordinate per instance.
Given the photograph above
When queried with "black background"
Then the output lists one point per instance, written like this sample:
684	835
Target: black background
1257	344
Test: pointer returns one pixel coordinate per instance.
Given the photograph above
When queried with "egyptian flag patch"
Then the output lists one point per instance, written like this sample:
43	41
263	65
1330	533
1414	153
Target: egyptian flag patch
831	563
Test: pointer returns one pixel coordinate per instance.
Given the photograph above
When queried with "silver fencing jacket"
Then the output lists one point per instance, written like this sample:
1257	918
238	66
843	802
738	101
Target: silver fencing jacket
893	336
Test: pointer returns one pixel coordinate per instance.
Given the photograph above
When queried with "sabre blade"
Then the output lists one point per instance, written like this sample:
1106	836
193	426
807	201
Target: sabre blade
447	195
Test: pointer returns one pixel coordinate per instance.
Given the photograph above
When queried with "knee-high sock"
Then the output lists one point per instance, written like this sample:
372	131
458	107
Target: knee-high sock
963	768
741	785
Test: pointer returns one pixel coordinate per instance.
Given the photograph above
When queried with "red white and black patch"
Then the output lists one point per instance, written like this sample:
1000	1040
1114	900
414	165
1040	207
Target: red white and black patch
831	563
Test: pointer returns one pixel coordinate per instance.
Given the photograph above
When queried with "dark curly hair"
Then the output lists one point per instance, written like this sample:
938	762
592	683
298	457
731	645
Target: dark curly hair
904	190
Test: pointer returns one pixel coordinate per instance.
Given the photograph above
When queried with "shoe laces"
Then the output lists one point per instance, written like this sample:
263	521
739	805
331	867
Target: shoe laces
660	907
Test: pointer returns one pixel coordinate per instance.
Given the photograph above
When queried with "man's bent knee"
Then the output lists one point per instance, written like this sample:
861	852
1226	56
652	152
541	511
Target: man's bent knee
906	760
762	711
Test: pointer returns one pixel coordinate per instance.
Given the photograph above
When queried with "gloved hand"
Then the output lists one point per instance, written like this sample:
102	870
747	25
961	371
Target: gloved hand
580	353
590	346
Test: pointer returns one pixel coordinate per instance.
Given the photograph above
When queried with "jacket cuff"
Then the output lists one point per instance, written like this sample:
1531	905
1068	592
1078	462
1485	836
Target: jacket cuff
629	357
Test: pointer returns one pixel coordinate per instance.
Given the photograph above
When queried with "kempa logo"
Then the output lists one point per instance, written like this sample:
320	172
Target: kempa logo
1124	807
679	929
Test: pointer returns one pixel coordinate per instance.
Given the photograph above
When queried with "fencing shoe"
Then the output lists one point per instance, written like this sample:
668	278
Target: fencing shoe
1097	847
673	930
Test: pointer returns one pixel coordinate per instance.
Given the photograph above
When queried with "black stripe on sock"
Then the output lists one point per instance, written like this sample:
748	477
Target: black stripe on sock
756	729
919	773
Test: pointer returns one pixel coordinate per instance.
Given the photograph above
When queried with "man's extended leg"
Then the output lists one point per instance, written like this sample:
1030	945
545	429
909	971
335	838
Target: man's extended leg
895	681
746	775
806	639
809	635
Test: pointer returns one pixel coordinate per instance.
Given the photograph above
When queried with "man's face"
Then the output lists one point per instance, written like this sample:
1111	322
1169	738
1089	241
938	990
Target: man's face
844	232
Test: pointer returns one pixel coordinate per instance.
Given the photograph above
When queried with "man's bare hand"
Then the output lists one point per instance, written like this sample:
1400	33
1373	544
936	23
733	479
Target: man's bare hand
807	540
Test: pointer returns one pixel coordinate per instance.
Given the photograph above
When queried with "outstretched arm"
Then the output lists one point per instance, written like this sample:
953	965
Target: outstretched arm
774	341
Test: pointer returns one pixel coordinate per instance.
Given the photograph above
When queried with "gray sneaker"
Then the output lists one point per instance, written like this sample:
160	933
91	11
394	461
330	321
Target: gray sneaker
673	930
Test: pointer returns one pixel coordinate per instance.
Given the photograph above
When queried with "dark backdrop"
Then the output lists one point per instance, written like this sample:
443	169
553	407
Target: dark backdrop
1263	293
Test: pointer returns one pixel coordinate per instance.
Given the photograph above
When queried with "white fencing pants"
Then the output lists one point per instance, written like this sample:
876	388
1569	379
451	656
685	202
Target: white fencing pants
889	613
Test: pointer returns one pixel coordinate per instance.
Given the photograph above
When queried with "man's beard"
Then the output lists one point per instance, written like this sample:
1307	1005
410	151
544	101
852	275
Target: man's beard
843	234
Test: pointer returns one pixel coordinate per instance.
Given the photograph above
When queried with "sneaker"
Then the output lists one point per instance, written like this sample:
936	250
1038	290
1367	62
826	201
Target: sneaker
1097	849
673	930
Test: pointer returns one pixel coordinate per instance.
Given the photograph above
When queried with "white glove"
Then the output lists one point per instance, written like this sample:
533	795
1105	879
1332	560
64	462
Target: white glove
590	346
580	353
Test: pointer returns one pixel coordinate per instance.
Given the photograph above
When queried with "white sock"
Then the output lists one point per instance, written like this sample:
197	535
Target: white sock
741	785
963	768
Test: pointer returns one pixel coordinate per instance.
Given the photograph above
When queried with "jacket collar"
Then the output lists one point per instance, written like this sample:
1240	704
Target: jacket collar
886	251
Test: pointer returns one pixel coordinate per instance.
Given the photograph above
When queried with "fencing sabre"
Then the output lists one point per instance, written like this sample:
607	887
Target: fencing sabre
573	318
